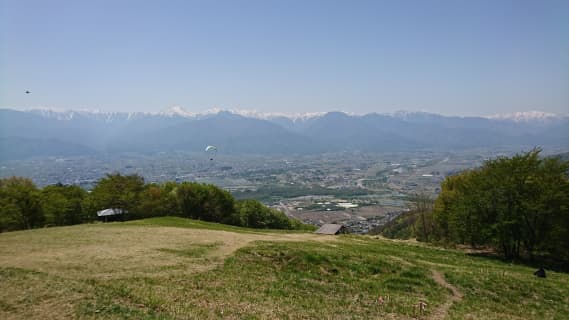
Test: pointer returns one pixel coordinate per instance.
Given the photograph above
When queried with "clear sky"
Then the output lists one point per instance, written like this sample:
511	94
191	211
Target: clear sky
454	57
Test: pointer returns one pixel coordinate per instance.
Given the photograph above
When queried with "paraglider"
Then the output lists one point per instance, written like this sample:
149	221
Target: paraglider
211	151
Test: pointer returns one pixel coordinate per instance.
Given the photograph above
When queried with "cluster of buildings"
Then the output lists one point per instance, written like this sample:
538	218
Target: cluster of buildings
366	225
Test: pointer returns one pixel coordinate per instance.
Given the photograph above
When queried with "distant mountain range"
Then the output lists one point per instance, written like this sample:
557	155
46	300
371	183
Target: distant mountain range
43	132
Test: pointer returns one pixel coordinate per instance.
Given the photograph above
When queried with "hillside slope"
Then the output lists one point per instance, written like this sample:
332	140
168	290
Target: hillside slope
173	268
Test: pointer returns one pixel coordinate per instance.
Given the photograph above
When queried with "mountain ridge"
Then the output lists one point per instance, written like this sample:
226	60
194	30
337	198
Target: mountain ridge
21	132
66	114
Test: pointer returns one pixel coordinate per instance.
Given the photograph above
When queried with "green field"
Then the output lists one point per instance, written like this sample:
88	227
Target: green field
173	268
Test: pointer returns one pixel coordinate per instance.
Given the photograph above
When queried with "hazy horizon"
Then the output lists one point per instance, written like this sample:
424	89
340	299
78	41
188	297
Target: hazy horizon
446	57
180	110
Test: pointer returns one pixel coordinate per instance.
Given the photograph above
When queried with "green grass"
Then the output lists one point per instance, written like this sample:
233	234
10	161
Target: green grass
198	224
300	278
312	280
192	251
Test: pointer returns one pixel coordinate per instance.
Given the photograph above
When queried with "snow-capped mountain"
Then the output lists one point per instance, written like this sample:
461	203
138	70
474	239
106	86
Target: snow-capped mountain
64	132
177	111
273	115
63	114
527	116
181	112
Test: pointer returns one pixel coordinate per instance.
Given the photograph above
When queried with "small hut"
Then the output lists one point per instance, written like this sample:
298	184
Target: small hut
332	229
110	215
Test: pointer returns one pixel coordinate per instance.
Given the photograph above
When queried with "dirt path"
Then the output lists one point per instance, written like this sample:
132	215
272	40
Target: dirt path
441	312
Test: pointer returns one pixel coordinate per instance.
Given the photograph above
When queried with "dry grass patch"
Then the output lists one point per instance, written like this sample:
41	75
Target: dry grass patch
96	270
95	251
28	294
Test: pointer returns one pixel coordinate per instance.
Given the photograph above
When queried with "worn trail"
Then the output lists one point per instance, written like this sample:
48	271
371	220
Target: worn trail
441	312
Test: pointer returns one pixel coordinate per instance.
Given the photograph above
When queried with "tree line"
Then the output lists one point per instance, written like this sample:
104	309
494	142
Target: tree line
25	206
517	205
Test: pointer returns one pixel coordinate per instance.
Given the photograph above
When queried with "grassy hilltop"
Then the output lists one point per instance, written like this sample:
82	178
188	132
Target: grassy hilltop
175	268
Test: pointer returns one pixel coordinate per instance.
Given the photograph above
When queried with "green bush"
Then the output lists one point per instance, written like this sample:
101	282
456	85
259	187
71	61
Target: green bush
24	206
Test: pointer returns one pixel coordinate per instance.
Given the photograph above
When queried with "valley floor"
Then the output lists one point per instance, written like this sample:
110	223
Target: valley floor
173	268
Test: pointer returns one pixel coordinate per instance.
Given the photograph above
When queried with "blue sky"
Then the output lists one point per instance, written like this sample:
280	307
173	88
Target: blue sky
451	57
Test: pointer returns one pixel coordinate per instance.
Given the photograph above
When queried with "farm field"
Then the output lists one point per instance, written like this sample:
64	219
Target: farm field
174	268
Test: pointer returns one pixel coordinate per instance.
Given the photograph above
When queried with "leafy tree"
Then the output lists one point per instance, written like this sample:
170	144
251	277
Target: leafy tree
518	205
219	205
89	208
402	227
119	192
54	206
423	208
158	200
19	204
191	198
204	201
63	205
22	205
253	214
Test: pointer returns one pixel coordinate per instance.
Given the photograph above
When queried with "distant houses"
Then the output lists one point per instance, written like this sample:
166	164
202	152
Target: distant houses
110	215
331	229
